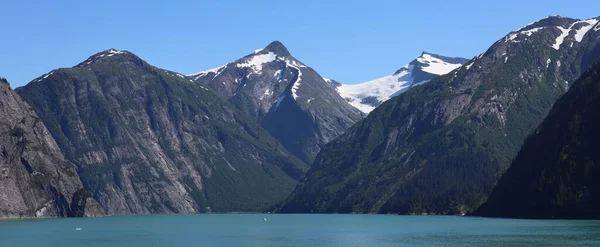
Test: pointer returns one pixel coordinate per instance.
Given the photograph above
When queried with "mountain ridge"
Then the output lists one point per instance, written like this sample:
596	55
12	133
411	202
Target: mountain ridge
149	140
289	99
368	95
439	148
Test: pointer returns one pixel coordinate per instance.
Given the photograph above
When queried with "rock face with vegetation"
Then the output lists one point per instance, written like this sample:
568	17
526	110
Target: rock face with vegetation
440	147
555	175
35	178
148	140
289	99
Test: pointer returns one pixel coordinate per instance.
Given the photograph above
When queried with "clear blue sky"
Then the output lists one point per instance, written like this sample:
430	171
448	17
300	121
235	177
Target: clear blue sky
350	41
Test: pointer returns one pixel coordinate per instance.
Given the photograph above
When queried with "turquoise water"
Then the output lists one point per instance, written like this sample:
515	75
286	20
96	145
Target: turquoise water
297	230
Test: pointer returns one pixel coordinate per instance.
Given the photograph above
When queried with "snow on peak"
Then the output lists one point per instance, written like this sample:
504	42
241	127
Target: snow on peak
115	51
561	38
366	96
216	71
583	30
256	62
44	76
378	90
100	56
579	34
435	65
512	37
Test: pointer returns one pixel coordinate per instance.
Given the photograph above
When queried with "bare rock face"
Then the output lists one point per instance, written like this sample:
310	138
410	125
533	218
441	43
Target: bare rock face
147	140
35	179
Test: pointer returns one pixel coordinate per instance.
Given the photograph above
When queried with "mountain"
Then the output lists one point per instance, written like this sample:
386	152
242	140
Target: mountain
368	95
148	140
289	99
36	180
440	148
555	174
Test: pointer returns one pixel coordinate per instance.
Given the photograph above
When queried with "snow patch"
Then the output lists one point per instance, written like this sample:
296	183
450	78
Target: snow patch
469	65
583	30
256	62
310	100
548	62
266	93
381	89
297	84
505	59
579	34
436	66
561	38
215	71
46	75
513	36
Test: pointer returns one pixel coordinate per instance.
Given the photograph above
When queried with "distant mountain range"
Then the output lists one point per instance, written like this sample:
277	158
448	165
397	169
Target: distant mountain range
116	135
368	95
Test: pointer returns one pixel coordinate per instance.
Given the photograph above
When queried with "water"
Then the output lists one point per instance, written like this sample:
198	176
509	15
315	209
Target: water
297	230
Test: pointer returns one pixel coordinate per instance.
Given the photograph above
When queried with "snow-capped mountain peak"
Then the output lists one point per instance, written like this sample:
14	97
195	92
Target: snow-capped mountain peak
290	100
571	31
368	95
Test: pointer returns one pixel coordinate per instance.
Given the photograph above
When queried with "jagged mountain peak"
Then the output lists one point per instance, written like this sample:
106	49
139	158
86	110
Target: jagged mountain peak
275	51
292	101
276	47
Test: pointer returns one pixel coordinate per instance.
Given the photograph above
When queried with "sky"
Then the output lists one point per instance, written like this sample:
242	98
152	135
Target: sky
349	41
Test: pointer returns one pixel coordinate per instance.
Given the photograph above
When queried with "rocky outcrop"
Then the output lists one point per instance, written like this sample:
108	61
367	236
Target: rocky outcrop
36	181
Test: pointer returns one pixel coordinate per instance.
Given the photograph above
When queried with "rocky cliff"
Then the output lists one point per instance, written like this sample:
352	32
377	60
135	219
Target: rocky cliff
35	178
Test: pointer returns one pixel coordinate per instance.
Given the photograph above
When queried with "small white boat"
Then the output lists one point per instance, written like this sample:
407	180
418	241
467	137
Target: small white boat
78	229
264	219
